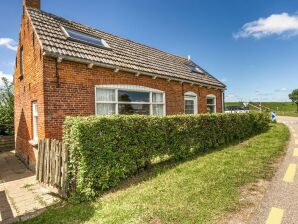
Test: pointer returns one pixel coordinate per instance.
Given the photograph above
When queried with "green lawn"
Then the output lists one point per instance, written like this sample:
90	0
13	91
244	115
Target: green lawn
201	190
282	108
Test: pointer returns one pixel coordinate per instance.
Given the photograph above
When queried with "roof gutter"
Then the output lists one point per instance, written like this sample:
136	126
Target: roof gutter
90	64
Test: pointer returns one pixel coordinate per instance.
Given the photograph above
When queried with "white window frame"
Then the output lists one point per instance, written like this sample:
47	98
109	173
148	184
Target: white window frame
191	96
104	43
211	96
133	88
35	121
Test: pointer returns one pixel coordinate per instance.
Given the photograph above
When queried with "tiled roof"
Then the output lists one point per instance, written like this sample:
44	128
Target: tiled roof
123	53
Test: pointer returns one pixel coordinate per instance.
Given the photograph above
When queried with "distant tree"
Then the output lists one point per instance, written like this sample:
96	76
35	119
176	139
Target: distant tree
294	97
6	107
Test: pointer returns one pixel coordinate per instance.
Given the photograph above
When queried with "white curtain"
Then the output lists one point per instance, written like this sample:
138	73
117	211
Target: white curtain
158	109
157	97
105	108
105	95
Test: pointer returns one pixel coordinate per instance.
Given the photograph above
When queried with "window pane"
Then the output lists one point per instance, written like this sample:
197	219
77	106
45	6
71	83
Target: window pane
35	121
157	109
194	68
34	109
131	96
189	107
134	109
105	95
210	109
84	37
157	97
21	62
210	101
106	108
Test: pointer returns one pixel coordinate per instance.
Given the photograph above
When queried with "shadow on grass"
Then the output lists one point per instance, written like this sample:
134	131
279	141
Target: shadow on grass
65	213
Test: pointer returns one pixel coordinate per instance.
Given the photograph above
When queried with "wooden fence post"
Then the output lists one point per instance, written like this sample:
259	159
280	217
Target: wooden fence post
52	164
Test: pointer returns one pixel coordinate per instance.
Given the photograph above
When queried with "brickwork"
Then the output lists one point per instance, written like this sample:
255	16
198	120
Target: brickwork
76	94
73	93
27	89
32	3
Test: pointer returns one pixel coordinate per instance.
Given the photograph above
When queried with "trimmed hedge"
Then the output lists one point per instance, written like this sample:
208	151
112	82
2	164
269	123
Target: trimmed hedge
103	150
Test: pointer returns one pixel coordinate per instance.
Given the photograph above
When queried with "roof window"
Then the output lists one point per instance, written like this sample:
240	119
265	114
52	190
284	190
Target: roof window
195	68
85	38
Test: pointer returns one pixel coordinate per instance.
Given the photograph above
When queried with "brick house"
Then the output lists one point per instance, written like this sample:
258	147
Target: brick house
64	68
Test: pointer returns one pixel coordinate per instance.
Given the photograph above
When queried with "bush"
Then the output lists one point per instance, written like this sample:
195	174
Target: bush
103	150
6	107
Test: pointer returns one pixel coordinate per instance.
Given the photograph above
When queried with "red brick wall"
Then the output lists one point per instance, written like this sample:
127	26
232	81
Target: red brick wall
32	3
76	94
29	89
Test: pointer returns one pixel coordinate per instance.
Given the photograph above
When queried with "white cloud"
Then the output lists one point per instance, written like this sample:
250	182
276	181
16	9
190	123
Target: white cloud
9	43
8	76
283	89
283	24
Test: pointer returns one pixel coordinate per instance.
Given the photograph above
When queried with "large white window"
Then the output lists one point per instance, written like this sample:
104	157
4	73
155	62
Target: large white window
129	99
211	103
190	103
35	121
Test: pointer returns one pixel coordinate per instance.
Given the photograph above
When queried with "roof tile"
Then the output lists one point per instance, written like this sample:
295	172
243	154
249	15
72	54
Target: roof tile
123	53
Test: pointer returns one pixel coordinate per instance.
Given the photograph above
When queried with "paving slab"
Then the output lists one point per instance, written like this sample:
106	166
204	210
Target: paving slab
21	196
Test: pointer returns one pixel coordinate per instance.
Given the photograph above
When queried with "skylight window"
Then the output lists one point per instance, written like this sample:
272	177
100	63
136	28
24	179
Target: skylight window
195	68
86	38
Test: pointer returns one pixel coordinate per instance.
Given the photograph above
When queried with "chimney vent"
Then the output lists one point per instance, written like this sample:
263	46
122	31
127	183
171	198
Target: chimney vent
31	4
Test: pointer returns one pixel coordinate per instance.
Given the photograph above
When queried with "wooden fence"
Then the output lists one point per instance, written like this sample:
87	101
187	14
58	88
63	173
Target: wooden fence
6	143
52	164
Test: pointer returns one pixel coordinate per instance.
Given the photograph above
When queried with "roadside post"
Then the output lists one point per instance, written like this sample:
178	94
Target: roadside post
273	116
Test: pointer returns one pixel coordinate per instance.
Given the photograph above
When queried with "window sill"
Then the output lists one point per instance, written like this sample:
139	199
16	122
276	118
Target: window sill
34	143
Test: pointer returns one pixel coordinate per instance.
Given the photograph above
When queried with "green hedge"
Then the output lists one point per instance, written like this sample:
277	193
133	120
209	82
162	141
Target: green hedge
103	150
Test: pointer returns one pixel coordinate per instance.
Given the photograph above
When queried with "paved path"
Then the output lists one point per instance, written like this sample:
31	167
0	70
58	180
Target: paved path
280	203
20	195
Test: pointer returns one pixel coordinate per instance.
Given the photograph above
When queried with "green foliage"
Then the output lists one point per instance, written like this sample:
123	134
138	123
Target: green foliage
103	150
6	107
281	108
207	188
294	97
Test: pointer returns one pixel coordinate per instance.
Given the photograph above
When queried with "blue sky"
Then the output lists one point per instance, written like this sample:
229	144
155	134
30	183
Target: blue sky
252	46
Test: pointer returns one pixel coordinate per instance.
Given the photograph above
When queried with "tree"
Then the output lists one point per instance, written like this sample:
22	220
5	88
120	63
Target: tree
6	107
294	97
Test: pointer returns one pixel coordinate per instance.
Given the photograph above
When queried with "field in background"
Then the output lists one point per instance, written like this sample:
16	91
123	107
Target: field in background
282	108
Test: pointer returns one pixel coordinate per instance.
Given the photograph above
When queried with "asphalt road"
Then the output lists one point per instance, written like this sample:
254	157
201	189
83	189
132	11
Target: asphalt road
280	203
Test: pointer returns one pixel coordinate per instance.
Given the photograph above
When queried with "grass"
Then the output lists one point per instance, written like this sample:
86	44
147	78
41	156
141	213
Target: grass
281	108
204	189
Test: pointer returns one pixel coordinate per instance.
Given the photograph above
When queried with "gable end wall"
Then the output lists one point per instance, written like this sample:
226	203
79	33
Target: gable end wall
29	89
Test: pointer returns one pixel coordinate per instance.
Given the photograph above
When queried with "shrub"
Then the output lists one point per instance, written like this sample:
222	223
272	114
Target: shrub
103	150
6	107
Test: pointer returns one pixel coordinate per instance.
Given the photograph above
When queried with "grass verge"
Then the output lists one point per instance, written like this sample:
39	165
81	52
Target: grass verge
201	190
287	113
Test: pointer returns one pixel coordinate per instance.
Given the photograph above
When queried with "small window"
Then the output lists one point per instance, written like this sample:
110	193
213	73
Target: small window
35	121
195	68
129	100
21	62
190	103
86	38
211	104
